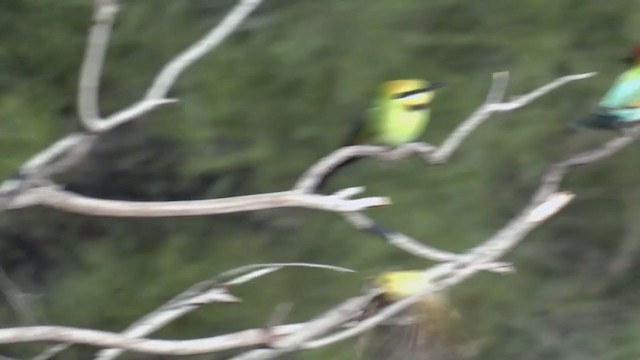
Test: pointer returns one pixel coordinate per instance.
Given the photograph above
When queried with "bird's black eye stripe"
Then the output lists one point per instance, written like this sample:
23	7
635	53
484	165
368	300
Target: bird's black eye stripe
410	93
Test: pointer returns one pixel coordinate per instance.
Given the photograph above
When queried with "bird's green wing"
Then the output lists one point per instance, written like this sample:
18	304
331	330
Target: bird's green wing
356	133
362	129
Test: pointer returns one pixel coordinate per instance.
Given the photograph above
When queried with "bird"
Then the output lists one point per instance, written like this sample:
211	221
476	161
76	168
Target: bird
399	115
423	331
619	108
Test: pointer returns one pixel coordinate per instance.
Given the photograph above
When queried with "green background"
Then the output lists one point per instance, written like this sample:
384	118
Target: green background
277	96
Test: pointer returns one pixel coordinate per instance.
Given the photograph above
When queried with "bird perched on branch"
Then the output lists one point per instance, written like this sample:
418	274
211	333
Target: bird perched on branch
423	331
399	115
620	106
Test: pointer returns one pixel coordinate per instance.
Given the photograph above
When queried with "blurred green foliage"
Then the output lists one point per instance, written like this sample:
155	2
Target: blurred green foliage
278	95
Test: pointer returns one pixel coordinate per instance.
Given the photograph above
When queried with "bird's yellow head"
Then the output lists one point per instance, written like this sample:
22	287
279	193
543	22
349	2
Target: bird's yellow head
414	94
400	284
397	285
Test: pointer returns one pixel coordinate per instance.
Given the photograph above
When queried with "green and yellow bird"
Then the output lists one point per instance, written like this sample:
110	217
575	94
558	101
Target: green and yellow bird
620	106
399	115
423	331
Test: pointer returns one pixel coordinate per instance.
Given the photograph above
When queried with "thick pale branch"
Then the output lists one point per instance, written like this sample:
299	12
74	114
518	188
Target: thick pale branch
91	70
71	202
107	339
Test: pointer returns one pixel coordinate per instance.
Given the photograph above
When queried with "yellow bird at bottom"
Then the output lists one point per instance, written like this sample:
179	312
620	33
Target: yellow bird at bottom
424	331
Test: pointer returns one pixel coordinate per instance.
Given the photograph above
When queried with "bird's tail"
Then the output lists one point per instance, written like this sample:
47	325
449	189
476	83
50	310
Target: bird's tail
323	182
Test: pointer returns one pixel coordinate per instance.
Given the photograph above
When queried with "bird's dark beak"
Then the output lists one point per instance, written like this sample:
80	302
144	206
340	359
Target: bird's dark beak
433	86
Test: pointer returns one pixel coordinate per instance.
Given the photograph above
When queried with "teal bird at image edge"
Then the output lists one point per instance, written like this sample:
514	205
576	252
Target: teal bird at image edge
620	106
399	115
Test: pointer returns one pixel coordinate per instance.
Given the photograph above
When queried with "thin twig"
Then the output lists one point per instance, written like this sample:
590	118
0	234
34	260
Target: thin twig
498	88
364	223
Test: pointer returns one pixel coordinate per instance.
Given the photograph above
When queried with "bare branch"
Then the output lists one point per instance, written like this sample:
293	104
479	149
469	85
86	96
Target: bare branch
169	74
107	339
309	181
314	328
132	112
104	15
202	293
98	40
73	157
215	37
539	210
488	108
57	157
306	335
71	202
364	223
462	267
520	101
443	276
52	153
